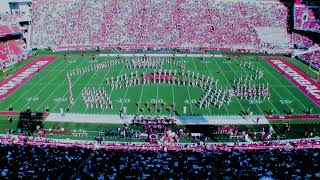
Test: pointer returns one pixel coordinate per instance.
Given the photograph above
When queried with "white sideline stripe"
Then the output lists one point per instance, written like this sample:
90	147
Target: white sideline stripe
160	55
181	120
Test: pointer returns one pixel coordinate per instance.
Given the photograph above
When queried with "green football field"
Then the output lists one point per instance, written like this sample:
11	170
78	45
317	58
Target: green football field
50	87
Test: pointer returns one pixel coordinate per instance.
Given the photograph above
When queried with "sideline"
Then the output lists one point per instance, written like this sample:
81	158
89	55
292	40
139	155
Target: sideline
180	120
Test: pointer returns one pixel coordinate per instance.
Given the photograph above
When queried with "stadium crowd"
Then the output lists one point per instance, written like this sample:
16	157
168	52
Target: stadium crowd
302	41
43	159
12	49
9	18
312	53
312	57
75	24
306	18
154	24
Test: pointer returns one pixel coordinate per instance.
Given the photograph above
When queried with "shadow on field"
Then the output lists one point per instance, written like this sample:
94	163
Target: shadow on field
29	121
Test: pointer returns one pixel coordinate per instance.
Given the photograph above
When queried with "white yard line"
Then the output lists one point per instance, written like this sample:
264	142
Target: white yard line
124	98
189	100
269	102
140	98
65	93
156	109
229	84
86	84
109	68
45	88
189	97
45	101
272	89
288	91
78	78
224	105
17	64
75	82
124	64
246	74
198	72
173	100
31	88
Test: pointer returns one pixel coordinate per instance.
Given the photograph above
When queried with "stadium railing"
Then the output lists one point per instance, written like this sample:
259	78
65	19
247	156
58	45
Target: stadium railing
311	143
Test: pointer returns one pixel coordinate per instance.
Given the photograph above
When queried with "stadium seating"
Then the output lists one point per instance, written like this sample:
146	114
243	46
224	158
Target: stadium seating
305	18
8	19
12	51
41	159
154	24
312	57
302	41
13	18
307	44
205	24
8	29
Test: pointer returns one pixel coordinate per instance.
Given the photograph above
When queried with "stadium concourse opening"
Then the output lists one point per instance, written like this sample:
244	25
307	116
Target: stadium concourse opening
159	89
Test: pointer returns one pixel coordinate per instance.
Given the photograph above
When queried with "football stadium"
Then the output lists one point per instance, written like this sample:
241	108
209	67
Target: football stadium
184	89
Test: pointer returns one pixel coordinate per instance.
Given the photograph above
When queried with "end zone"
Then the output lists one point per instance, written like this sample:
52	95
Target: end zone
20	77
299	78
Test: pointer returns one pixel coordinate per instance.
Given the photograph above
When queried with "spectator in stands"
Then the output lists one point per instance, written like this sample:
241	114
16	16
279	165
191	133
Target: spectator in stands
33	162
227	24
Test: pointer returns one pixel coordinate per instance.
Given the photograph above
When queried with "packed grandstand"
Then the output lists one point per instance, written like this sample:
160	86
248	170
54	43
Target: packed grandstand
185	89
246	25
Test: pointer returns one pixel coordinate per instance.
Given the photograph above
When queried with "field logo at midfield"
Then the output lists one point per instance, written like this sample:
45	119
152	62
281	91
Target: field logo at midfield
17	79
298	77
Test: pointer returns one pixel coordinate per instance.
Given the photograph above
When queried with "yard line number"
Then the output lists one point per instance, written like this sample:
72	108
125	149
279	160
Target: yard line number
191	101
285	101
32	99
60	99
